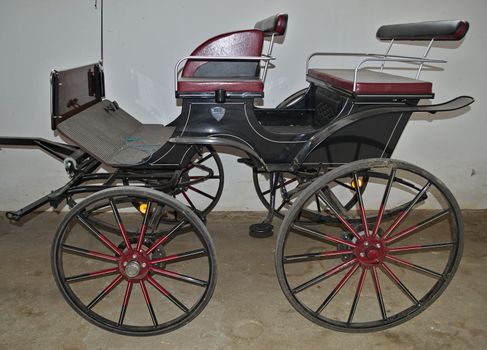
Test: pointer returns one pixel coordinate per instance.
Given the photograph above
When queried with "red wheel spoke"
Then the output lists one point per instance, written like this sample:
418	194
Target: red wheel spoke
180	277
105	292
188	200
378	292
399	284
322	236
143	229
363	216
125	303
164	238
199	161
281	185
324	276
193	254
205	158
168	295
91	275
88	253
414	266
318	207
315	256
358	292
413	229
424	247
201	192
383	203
403	215
281	206
339	216
200	178
338	287
148	303
98	235
344	185
120	226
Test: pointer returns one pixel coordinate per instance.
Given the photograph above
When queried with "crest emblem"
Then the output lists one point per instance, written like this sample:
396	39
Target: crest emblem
218	113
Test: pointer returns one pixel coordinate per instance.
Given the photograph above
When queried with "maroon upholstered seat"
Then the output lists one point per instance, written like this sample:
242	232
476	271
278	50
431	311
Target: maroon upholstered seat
241	75
370	82
194	78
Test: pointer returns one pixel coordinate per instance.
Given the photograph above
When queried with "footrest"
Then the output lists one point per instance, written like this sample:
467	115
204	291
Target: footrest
108	133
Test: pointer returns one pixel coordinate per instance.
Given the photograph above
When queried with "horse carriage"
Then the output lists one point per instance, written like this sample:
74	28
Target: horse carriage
366	242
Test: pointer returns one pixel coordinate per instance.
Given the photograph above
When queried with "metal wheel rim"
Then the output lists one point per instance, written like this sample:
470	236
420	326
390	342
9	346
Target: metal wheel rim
426	299
147	286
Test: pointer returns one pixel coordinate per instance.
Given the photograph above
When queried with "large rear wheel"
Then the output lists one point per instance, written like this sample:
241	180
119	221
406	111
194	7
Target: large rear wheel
384	261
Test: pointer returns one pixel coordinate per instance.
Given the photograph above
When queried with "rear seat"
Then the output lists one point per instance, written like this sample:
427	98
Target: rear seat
369	82
376	82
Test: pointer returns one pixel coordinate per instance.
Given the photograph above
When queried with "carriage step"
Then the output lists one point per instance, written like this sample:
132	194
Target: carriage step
261	230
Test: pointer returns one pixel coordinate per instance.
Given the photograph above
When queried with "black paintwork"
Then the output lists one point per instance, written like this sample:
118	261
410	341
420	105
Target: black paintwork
324	127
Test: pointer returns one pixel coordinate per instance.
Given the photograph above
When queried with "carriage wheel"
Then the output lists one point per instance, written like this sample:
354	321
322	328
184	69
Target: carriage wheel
146	283
201	182
286	183
380	266
286	193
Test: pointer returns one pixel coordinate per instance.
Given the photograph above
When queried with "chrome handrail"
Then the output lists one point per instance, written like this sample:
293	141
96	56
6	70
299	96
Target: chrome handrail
265	58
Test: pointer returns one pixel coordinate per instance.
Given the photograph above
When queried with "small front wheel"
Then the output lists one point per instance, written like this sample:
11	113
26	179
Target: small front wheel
149	277
382	261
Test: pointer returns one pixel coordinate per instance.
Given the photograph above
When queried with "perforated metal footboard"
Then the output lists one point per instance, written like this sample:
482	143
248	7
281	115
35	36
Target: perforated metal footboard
113	136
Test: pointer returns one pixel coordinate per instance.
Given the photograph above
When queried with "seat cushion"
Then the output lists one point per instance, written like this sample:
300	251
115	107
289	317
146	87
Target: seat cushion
229	84
370	82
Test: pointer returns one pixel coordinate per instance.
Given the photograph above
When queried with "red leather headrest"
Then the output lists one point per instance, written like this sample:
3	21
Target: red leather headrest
274	25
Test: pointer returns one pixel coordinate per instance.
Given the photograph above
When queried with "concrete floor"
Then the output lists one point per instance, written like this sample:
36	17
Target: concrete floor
248	309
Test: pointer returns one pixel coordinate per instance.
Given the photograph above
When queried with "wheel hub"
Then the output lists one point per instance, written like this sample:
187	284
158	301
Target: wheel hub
370	251
132	269
133	266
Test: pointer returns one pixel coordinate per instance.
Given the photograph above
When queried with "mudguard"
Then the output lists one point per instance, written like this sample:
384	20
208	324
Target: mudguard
320	137
219	141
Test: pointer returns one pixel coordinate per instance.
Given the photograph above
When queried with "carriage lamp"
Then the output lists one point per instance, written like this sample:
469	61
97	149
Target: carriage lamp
143	208
360	183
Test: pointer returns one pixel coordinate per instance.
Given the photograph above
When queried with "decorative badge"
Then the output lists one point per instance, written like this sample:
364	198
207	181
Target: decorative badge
218	113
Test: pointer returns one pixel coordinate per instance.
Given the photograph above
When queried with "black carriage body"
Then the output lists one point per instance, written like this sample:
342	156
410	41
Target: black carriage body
275	135
278	135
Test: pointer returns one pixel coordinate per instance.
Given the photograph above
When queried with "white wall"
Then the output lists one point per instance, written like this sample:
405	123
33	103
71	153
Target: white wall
143	40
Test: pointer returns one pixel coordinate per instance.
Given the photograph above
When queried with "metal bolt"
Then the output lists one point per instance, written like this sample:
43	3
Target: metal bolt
134	256
144	264
124	263
366	244
378	245
362	255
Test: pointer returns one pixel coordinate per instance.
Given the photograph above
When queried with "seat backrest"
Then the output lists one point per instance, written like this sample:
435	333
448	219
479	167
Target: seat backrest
451	30
74	90
239	43
233	44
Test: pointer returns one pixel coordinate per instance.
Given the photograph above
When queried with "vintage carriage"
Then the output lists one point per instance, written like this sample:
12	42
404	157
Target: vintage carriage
366	241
